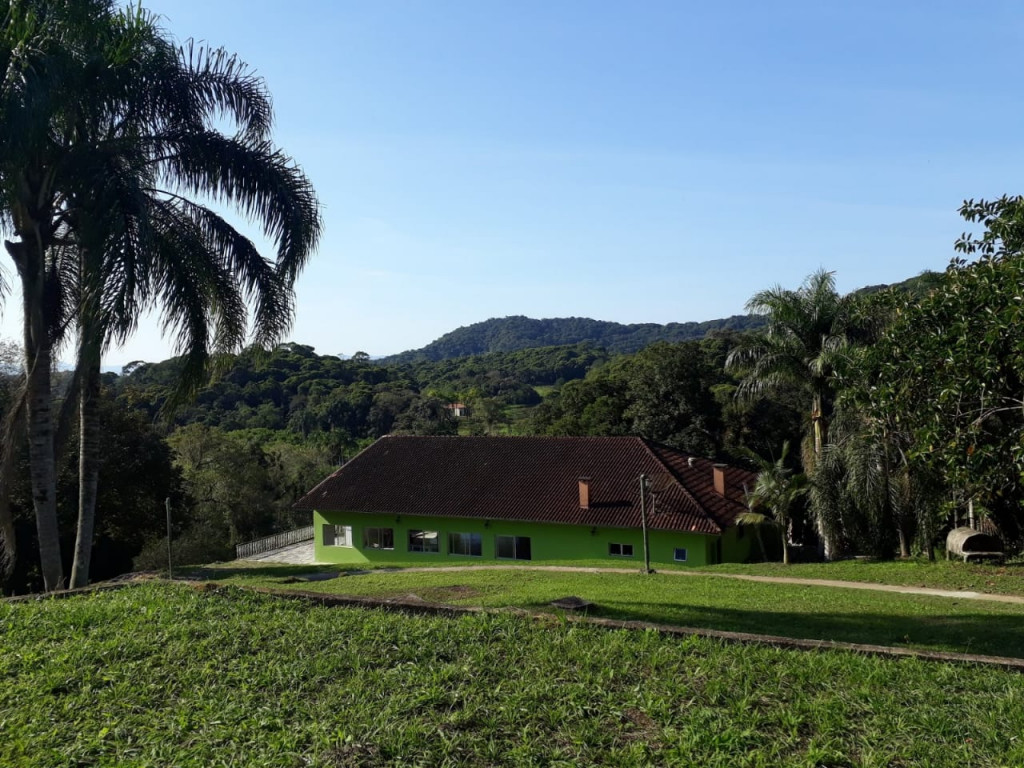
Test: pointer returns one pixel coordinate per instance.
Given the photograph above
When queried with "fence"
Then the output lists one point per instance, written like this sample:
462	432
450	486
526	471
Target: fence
278	540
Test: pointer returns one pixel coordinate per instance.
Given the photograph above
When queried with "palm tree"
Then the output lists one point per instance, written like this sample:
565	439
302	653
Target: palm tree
157	244
129	154
804	341
776	489
46	54
866	475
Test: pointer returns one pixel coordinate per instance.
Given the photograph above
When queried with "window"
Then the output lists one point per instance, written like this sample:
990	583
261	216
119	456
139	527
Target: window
337	535
465	544
680	555
620	550
378	538
424	541
512	547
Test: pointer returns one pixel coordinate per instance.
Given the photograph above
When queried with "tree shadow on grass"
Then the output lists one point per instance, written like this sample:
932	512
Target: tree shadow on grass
980	633
217	573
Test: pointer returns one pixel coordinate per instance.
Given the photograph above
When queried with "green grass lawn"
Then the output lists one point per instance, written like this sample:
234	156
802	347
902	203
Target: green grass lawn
162	675
1005	579
977	577
819	613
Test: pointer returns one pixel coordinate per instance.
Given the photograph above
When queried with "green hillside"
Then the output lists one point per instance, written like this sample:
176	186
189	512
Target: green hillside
506	334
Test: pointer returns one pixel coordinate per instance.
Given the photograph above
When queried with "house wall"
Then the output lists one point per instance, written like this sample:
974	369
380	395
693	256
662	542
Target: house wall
547	541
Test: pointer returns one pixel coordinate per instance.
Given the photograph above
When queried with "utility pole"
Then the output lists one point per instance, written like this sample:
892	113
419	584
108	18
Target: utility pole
643	521
170	566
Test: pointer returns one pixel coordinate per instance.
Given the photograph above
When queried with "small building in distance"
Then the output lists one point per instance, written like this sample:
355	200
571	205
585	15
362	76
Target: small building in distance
458	410
542	499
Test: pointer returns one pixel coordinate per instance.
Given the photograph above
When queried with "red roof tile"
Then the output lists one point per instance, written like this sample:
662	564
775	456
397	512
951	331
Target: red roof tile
534	479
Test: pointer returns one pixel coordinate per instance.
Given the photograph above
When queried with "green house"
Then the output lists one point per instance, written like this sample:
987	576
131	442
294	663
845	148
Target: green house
473	499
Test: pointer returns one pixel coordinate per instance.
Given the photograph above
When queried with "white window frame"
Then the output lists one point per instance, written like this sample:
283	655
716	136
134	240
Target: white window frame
622	549
378	545
477	538
332	538
436	536
677	558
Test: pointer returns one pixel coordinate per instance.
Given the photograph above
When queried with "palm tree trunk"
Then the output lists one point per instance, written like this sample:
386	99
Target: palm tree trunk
904	544
88	460
816	423
824	535
785	546
14	424
38	359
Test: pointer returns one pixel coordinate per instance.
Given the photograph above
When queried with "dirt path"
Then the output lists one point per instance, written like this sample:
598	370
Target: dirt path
906	590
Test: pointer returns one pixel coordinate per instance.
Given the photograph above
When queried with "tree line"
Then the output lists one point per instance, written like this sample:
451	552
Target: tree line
507	334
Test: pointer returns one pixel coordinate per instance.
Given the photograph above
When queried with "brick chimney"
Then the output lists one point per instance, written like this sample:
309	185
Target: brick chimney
719	472
584	493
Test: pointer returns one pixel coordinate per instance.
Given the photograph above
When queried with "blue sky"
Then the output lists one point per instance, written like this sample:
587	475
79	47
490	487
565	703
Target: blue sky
638	162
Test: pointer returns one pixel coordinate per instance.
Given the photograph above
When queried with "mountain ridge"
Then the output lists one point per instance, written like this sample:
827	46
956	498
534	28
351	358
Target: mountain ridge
515	332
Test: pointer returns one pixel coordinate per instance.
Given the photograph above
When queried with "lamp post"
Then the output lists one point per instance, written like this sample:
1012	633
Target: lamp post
170	566
643	522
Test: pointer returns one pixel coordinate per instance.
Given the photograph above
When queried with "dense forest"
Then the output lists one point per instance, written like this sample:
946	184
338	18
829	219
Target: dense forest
507	334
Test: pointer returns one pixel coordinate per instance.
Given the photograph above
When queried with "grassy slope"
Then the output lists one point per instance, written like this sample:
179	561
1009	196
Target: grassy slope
703	601
954	575
978	577
165	675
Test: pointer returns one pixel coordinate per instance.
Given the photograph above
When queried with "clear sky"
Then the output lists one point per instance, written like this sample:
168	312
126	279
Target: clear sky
632	161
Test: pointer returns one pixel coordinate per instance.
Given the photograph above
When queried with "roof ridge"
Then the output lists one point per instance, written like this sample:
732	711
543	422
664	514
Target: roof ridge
686	491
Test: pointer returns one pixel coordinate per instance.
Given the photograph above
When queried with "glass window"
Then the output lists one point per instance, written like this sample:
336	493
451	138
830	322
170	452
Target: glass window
620	550
424	541
512	547
337	535
465	544
680	555
378	538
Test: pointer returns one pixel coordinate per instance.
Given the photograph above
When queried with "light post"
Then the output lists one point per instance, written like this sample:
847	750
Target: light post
643	522
170	567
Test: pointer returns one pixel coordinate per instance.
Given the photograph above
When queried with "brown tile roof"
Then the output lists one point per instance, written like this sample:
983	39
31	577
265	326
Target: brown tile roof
534	479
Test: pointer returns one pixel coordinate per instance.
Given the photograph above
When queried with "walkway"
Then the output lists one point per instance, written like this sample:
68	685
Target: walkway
302	554
294	554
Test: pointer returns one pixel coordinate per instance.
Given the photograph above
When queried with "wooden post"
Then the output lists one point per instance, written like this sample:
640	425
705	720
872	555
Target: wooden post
170	566
643	522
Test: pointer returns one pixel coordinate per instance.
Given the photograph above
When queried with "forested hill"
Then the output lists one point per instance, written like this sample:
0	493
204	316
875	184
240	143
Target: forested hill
507	334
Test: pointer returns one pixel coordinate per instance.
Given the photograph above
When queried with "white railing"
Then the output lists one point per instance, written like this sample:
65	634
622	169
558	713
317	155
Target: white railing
278	540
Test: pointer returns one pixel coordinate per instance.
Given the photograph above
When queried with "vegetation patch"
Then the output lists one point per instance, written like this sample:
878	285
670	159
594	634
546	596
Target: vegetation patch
161	674
447	594
807	612
952	575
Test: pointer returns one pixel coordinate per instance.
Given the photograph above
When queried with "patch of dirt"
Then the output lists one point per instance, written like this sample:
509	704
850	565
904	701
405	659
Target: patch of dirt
449	593
306	577
354	755
637	725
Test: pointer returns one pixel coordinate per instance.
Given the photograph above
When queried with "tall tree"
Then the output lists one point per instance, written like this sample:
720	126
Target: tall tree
48	52
802	344
776	490
158	244
132	149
